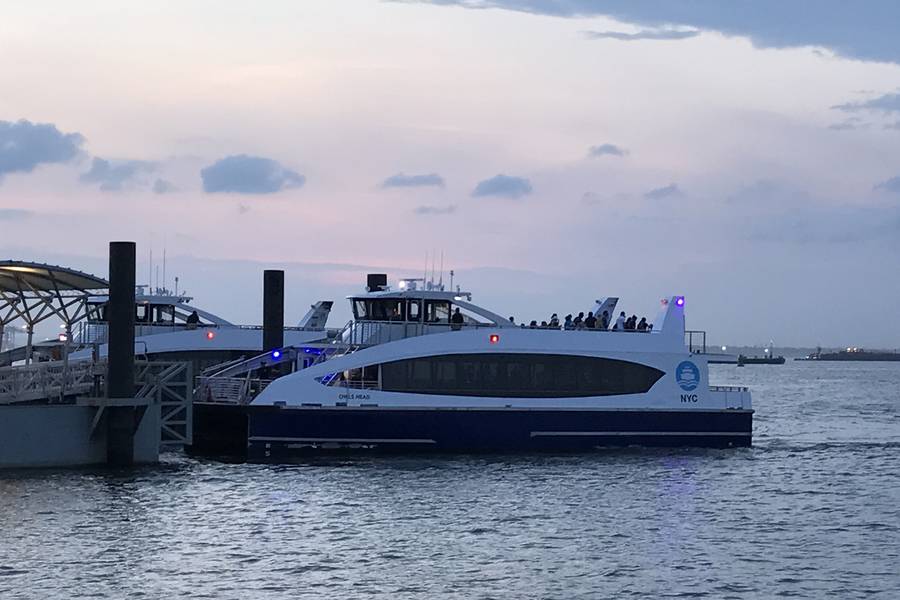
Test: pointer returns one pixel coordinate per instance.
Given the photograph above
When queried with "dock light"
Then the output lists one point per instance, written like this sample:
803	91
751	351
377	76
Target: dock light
210	335
679	300
276	354
494	338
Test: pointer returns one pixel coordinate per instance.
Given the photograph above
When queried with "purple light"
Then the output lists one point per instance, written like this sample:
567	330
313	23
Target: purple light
679	301
276	354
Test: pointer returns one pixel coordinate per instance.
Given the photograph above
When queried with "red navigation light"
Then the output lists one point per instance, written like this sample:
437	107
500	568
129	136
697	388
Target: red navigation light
210	335
494	338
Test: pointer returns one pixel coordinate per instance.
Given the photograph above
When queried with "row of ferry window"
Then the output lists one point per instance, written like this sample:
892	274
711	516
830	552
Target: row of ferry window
402	309
143	313
512	375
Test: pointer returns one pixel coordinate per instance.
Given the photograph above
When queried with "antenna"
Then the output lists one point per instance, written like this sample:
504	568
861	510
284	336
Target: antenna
441	280
165	281
433	257
150	279
451	279
425	276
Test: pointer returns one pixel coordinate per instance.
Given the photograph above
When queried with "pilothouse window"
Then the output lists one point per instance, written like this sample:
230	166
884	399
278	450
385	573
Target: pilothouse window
414	310
437	311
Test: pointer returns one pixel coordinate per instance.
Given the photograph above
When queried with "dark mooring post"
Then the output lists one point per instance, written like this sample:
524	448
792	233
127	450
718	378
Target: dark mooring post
273	310
121	420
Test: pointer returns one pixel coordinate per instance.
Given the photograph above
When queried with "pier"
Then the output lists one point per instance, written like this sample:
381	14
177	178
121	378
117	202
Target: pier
57	412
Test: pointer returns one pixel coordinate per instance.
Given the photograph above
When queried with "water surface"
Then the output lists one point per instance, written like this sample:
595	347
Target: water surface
811	511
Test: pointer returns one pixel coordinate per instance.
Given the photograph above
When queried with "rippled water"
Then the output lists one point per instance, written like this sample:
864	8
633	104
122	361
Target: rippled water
813	510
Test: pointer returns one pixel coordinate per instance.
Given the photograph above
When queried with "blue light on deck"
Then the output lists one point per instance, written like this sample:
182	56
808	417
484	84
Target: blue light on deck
276	354
679	300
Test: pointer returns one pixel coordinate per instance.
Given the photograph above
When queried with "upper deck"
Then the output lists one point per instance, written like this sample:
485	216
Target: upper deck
382	315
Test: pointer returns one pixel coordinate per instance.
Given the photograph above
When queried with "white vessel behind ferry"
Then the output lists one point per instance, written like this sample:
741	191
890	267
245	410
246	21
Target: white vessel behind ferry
405	375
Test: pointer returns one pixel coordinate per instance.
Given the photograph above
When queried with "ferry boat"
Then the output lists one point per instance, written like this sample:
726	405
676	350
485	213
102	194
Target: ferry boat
165	329
423	369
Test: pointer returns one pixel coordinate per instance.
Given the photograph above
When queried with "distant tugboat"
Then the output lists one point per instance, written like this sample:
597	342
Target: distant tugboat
768	358
854	354
759	360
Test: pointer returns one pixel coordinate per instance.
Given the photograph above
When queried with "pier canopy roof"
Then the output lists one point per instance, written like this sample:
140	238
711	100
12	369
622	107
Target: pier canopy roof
16	276
36	291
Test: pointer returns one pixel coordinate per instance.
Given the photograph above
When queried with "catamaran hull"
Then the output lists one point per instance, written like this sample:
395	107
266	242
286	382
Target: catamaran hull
267	433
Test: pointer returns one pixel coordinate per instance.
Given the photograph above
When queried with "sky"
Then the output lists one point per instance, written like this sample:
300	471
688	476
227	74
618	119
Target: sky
744	154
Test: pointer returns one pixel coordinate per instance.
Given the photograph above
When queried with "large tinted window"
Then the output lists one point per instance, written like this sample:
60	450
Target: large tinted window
517	375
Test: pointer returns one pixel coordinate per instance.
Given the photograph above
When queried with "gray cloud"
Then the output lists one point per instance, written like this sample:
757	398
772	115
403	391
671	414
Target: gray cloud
25	145
401	180
161	186
826	225
776	211
894	125
435	210
14	214
670	191
868	33
888	103
242	174
644	34
891	185
849	125
503	186
606	150
114	175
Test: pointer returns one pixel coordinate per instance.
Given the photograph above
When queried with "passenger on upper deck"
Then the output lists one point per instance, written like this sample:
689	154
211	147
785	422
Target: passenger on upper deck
554	320
642	325
578	322
590	321
620	322
192	320
567	324
604	320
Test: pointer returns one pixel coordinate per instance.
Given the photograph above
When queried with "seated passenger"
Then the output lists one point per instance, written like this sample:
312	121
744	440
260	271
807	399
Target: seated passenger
192	320
642	324
533	324
620	322
590	321
578	322
456	321
554	320
544	325
604	320
631	323
567	324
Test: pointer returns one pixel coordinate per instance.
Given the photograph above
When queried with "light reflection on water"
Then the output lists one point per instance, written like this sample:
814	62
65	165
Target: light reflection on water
812	510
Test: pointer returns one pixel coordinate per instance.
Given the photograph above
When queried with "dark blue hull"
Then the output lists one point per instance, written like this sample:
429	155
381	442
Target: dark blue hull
271	433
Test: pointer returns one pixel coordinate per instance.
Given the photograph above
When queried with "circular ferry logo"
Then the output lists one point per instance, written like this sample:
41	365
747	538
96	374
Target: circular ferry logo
687	375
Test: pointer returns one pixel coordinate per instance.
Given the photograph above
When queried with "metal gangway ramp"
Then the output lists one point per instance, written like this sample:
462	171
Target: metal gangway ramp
168	384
